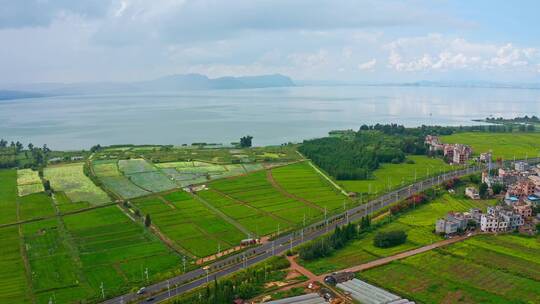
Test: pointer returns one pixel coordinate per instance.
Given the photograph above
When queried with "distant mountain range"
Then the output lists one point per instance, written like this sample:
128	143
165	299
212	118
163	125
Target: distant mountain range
171	83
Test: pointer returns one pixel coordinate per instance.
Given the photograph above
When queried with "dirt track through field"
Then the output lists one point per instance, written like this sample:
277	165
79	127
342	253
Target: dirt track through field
278	187
376	263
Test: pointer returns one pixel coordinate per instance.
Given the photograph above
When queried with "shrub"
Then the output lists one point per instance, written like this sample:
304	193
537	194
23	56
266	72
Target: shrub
390	238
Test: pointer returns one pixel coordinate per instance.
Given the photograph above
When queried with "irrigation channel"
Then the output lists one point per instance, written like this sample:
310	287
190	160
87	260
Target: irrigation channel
188	281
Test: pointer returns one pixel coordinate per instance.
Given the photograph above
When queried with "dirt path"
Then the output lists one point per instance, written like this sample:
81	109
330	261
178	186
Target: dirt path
278	187
300	269
405	254
328	179
382	261
223	216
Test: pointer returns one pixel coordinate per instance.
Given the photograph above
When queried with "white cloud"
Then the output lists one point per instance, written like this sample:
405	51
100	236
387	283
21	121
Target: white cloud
435	52
368	65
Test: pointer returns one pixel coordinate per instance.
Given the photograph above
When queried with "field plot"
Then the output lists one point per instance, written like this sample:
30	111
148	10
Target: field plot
13	282
34	206
189	223
28	182
145	176
505	145
303	181
54	271
112	250
8	196
71	180
391	176
197	172
474	271
254	201
106	168
418	224
108	173
132	166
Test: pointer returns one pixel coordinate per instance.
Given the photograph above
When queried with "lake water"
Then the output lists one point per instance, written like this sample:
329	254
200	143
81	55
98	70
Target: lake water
272	116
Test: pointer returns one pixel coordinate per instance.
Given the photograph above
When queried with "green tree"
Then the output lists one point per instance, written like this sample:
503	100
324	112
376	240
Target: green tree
483	190
246	141
147	220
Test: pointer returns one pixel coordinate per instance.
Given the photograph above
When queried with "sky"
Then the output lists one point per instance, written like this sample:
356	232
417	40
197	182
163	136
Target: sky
336	40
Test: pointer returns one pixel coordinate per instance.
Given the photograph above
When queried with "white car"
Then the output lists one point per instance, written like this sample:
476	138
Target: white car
141	291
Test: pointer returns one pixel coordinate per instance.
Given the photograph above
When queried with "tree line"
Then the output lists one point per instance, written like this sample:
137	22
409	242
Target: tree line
243	285
340	237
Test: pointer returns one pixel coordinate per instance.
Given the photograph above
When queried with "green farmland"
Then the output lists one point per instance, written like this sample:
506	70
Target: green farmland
483	269
418	224
8	196
259	205
504	145
72	256
28	182
196	172
146	176
187	222
71	180
391	176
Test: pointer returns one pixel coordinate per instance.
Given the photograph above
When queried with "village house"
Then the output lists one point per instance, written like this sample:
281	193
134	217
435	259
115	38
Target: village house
472	193
453	223
521	166
434	143
500	219
462	153
486	157
523	209
522	188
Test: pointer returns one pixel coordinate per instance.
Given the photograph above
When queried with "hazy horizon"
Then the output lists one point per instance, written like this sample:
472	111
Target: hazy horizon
359	41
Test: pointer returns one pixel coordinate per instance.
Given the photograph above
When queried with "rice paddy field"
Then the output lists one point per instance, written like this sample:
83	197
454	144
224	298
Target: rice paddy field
70	179
28	182
13	280
191	225
418	224
70	257
259	205
303	181
504	145
8	196
483	269
391	176
35	205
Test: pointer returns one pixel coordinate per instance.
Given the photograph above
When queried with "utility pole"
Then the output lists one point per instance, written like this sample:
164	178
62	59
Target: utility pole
169	288
102	290
273	248
146	272
184	262
304	222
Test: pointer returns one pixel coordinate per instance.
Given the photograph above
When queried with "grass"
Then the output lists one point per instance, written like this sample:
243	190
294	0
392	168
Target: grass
418	224
190	224
391	176
71	180
504	145
473	271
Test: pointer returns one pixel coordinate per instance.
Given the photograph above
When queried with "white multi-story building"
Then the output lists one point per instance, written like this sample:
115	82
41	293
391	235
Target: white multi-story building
499	219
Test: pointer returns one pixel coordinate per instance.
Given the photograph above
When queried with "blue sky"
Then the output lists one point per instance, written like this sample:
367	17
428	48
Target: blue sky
364	41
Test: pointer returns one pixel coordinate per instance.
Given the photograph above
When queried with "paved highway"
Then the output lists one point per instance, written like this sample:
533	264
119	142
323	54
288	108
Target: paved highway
198	277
